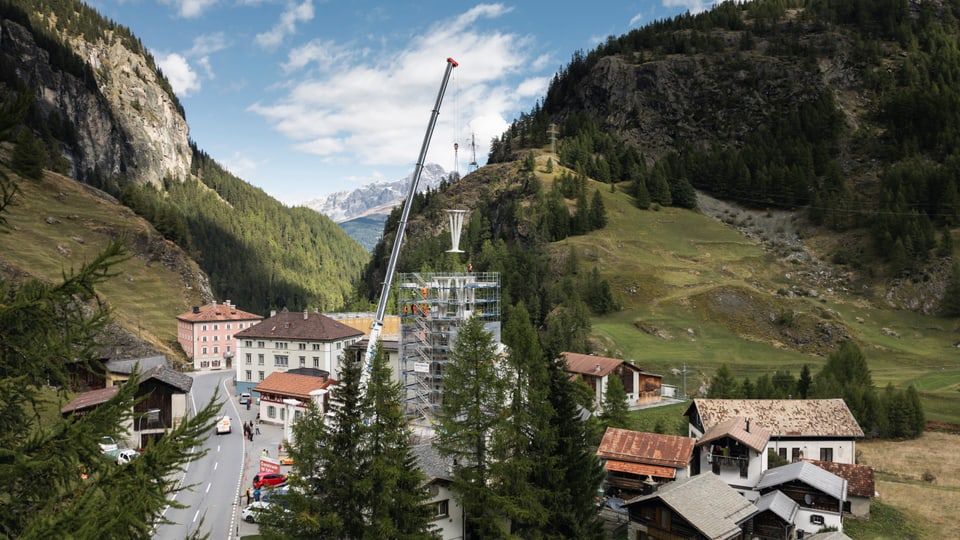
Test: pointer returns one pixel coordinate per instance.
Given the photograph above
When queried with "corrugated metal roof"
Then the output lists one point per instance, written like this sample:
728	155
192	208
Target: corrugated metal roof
640	469
91	398
649	448
783	417
736	428
809	474
302	325
779	504
707	503
860	478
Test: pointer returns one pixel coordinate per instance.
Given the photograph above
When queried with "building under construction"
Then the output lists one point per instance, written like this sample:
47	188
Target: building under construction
432	308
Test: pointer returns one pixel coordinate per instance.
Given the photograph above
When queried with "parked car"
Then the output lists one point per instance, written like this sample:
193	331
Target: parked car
126	455
250	513
244	398
269	495
108	444
223	425
285	459
270	479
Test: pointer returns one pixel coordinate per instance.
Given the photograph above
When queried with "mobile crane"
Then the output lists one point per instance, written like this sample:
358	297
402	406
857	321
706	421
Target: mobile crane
377	326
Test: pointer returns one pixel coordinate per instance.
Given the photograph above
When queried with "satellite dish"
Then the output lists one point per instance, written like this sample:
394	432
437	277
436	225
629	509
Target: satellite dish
808	499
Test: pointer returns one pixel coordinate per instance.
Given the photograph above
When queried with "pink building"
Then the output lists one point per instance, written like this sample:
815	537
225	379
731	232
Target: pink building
207	334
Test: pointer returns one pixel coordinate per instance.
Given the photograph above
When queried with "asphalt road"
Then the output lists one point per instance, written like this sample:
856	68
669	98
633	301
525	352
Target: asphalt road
214	480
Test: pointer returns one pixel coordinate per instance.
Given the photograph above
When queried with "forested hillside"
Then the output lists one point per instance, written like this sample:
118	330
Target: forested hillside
257	252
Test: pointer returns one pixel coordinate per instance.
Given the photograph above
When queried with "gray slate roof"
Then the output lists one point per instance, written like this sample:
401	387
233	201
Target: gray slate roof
126	366
809	474
433	465
779	504
180	381
707	503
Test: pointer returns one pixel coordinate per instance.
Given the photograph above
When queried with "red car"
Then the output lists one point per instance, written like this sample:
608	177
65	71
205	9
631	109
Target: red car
272	479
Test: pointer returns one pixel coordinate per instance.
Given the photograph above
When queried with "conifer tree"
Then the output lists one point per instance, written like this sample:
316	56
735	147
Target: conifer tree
54	475
471	413
615	408
722	385
803	385
29	155
950	304
598	214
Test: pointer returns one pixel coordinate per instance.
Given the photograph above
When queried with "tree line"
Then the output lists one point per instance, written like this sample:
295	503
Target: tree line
890	413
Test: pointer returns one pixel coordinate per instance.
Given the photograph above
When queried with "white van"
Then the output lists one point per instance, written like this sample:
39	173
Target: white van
244	398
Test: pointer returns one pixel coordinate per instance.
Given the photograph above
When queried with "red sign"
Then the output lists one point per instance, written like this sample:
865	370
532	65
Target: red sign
269	465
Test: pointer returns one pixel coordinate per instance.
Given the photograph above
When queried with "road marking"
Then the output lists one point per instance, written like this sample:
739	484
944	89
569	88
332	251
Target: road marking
215	465
197	514
208	488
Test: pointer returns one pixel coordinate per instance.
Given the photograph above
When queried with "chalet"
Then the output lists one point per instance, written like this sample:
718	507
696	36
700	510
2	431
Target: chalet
642	388
776	517
860	485
207	334
447	515
820	495
291	340
632	459
798	428
119	371
694	508
735	451
161	406
284	395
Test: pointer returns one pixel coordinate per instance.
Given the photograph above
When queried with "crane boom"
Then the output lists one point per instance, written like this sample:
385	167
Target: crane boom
377	326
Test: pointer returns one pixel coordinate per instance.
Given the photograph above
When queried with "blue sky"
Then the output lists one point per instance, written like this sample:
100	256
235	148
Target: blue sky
304	98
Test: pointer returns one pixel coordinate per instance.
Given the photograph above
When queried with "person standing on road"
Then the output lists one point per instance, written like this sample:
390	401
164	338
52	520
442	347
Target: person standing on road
249	495
256	495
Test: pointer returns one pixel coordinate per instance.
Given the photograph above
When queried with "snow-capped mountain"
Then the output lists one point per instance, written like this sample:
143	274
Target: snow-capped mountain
375	198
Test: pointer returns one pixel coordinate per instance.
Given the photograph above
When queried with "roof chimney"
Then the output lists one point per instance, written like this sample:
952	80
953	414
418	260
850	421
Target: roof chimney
597	369
196	309
226	303
273	313
213	303
748	425
649	486
305	314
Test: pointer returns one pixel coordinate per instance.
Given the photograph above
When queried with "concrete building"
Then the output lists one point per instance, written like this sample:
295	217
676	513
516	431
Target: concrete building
207	334
289	340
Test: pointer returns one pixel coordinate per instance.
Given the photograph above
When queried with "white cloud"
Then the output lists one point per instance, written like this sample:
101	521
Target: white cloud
293	14
372	109
241	165
207	44
182	77
189	9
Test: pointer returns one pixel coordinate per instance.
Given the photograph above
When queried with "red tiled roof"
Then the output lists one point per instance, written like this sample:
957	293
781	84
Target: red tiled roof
783	417
736	428
292	385
302	325
214	312
646	448
588	364
640	469
91	398
860	481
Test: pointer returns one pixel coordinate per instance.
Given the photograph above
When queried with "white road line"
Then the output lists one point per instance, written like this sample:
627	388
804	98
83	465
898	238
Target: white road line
215	465
208	488
196	515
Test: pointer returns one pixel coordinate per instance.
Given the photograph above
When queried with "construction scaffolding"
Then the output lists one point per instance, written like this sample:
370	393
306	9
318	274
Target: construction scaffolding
432	308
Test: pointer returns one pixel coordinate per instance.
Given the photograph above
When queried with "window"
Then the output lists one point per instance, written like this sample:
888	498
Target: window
280	360
216	350
228	337
826	454
203	328
249	375
216	338
240	326
249	361
316	362
783	453
339	344
280	344
228	348
228	328
261	376
282	413
303	346
816	519
303	361
442	509
216	327
795	455
260	359
203	339
663	518
316	346
248	343
271	411
259	344
204	363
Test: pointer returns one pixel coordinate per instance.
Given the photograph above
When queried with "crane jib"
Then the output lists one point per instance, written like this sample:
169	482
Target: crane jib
377	326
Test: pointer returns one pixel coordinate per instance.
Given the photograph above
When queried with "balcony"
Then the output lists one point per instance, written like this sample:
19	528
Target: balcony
720	462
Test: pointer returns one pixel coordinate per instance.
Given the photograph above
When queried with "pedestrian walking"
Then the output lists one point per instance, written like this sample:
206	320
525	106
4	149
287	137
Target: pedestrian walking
256	495
264	453
249	495
257	427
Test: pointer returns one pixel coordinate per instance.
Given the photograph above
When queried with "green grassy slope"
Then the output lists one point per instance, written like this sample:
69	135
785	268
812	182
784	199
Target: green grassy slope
697	292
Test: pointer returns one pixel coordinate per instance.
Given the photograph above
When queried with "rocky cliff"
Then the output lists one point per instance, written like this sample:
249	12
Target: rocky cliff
124	123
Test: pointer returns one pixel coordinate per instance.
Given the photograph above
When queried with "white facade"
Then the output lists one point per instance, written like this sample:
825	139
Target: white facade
730	469
258	358
838	451
811	520
448	516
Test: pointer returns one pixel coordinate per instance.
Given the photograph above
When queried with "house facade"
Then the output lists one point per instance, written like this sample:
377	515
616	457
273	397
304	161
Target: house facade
284	397
823	429
291	340
634	459
447	514
861	486
642	388
207	334
735	451
819	494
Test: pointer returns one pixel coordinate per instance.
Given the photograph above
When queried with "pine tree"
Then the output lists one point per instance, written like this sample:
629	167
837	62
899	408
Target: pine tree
598	214
29	156
950	304
803	385
398	506
471	414
615	410
722	385
45	330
